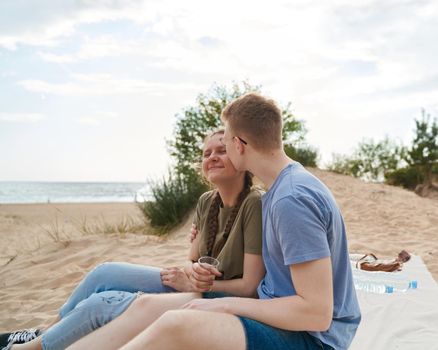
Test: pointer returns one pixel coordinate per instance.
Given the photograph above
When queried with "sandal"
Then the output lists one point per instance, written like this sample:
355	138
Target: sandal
370	262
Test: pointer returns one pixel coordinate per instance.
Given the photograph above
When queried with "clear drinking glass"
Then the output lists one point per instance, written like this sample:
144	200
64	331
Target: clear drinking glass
208	262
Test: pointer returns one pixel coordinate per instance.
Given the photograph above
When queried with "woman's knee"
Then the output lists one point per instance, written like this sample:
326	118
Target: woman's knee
103	269
100	308
100	274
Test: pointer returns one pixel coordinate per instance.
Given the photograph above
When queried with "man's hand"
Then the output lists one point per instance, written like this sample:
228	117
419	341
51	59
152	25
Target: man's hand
215	305
193	233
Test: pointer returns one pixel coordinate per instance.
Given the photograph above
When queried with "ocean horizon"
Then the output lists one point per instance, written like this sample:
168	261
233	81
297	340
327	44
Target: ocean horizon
27	192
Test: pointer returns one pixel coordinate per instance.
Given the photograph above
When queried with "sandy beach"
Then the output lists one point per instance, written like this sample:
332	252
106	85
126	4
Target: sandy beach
45	249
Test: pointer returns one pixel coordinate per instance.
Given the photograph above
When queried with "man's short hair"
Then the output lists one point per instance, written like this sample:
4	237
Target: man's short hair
256	119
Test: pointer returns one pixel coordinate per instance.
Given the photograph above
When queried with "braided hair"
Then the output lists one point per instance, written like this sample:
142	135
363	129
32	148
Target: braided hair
213	217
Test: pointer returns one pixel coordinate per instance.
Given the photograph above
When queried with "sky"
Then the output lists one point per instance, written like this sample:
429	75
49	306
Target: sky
89	90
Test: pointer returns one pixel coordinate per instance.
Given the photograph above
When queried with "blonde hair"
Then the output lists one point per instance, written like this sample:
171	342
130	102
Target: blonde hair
257	119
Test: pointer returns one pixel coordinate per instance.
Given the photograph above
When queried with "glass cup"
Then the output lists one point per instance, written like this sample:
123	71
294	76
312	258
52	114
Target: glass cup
208	262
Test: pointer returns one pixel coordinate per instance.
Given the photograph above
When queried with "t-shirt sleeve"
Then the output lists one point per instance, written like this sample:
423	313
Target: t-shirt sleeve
301	230
252	226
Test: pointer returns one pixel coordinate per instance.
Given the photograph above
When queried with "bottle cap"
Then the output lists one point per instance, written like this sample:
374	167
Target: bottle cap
389	289
413	284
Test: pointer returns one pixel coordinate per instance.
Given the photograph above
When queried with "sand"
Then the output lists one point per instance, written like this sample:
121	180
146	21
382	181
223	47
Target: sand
45	249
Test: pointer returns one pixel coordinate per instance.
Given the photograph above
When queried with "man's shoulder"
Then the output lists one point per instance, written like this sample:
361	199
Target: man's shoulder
299	185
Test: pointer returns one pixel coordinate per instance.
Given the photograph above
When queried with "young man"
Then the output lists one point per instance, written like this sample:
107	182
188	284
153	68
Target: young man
307	297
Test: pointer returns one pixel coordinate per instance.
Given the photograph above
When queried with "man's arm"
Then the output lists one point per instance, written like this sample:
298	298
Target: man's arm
311	309
253	272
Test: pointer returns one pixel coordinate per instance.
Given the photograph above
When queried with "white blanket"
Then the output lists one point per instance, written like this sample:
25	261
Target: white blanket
401	320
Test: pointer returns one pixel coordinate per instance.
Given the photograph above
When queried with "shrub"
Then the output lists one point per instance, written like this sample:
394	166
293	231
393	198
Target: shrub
306	155
407	177
371	160
344	165
173	197
423	154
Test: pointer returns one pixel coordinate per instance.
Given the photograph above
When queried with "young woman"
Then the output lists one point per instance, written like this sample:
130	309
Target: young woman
229	223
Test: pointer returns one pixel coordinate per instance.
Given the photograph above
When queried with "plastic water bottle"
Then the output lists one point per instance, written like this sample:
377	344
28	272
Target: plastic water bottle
382	282
369	283
399	281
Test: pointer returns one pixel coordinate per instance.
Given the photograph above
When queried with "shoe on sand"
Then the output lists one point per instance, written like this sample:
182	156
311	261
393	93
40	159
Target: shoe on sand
18	337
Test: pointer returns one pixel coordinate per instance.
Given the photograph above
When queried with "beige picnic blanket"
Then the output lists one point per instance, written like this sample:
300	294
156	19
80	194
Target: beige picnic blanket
402	321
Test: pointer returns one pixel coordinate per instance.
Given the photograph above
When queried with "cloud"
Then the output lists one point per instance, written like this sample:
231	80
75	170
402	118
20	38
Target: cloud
46	22
336	60
103	84
97	118
21	117
95	48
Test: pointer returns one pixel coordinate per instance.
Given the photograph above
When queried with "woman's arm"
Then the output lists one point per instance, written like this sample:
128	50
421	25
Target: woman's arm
253	272
178	278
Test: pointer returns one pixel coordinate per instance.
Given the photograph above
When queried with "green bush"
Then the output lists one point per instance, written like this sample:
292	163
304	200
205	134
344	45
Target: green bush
407	177
173	198
370	160
306	155
344	165
423	154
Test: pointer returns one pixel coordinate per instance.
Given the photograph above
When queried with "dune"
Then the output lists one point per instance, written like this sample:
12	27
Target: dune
45	249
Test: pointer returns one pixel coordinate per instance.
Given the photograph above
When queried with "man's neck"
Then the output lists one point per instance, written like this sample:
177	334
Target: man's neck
267	167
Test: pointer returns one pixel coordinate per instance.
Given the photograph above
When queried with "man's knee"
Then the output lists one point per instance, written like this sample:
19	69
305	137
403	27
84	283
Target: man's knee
141	304
174	323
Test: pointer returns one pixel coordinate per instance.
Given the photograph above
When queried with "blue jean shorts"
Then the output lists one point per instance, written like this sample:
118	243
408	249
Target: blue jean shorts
260	336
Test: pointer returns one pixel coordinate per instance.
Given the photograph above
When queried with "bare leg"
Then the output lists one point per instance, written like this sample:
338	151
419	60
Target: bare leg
140	314
32	345
191	329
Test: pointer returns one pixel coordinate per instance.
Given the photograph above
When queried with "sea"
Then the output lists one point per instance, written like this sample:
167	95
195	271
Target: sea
72	192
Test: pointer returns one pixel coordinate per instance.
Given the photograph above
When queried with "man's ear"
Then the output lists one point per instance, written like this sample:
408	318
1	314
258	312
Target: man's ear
240	148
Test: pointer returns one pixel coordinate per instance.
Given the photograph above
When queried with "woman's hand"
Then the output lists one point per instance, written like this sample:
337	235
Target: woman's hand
193	233
176	278
202	277
215	305
200	280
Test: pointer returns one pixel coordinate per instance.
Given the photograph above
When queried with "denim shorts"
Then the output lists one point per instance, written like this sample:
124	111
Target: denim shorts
260	336
214	295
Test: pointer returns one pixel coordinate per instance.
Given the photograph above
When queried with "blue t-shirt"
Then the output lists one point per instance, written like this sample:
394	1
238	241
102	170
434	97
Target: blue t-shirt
302	222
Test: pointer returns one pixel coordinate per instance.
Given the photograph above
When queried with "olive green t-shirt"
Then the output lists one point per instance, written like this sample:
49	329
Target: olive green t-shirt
245	235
